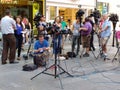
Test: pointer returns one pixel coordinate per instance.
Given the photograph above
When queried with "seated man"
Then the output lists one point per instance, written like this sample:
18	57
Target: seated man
41	48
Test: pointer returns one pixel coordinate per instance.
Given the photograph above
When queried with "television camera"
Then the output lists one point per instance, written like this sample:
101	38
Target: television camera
96	14
114	19
79	14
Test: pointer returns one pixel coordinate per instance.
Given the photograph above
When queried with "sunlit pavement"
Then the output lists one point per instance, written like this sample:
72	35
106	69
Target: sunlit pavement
88	73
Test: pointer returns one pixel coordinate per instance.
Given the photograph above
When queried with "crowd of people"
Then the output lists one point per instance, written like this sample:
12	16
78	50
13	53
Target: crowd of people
16	31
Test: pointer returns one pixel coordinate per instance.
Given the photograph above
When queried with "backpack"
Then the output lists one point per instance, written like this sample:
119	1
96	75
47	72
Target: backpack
71	54
29	67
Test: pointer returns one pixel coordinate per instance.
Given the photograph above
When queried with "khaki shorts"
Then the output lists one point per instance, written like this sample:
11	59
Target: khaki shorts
86	41
103	41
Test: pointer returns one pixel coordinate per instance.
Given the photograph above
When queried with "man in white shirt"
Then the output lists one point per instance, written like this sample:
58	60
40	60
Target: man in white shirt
8	26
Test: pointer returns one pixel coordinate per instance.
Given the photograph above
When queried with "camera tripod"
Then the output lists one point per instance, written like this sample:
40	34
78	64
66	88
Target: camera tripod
57	47
29	47
100	47
118	47
117	53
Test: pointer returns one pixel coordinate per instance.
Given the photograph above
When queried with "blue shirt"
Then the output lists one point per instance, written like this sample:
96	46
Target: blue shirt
107	32
19	30
40	45
76	29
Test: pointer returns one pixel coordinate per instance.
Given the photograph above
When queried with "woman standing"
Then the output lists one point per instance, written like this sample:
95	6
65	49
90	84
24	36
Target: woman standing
28	30
57	37
18	35
76	35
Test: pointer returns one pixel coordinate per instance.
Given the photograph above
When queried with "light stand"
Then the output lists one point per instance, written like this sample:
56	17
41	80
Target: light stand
118	47
56	64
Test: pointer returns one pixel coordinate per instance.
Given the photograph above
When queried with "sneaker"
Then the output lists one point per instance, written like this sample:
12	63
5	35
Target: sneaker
86	55
26	43
18	58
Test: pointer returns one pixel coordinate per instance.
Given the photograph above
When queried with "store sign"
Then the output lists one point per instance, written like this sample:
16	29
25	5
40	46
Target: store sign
6	1
9	1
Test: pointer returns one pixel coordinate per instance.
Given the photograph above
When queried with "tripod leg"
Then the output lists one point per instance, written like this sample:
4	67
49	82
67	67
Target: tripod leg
64	71
60	80
115	55
94	54
42	72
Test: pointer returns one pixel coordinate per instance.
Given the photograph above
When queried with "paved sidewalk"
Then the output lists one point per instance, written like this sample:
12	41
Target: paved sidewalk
89	74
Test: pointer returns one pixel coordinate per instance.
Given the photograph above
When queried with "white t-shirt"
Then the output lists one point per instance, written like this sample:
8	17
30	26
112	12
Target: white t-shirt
7	24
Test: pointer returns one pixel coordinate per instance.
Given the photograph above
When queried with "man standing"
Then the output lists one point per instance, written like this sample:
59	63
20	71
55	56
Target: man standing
105	33
8	26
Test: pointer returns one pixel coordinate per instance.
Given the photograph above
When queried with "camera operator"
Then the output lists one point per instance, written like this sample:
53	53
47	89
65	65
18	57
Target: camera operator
41	26
85	32
76	35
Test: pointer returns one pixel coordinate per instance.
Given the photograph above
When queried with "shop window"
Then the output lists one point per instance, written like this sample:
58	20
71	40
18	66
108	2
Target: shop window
52	13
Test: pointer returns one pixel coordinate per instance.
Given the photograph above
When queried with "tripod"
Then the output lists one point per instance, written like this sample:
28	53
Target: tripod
31	41
56	45
118	47
118	52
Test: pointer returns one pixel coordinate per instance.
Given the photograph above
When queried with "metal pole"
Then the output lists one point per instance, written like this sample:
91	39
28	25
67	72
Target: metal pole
45	7
96	4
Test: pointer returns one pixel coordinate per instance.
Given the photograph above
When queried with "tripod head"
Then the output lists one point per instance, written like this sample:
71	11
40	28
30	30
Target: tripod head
96	14
114	19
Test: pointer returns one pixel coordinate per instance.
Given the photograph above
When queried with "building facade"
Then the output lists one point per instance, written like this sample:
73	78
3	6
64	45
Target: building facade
109	6
26	8
67	8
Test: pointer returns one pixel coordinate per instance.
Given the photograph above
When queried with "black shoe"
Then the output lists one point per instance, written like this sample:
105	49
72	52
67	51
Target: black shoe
93	48
14	62
90	49
3	63
86	55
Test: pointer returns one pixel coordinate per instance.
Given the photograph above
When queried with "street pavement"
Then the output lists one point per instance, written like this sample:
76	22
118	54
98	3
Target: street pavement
88	73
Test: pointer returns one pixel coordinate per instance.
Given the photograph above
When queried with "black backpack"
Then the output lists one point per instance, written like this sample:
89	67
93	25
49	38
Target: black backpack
29	67
71	54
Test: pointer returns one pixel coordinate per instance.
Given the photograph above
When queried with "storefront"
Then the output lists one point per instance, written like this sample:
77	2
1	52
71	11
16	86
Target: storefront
67	8
26	8
103	7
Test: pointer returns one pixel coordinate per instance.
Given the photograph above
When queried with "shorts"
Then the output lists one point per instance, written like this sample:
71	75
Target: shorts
103	41
86	41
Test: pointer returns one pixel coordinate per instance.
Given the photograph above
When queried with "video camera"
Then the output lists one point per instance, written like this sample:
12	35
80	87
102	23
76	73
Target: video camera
79	13
37	19
96	14
114	18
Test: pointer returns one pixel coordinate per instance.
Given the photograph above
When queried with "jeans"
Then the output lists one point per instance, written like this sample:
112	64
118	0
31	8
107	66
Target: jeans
76	40
57	40
19	40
